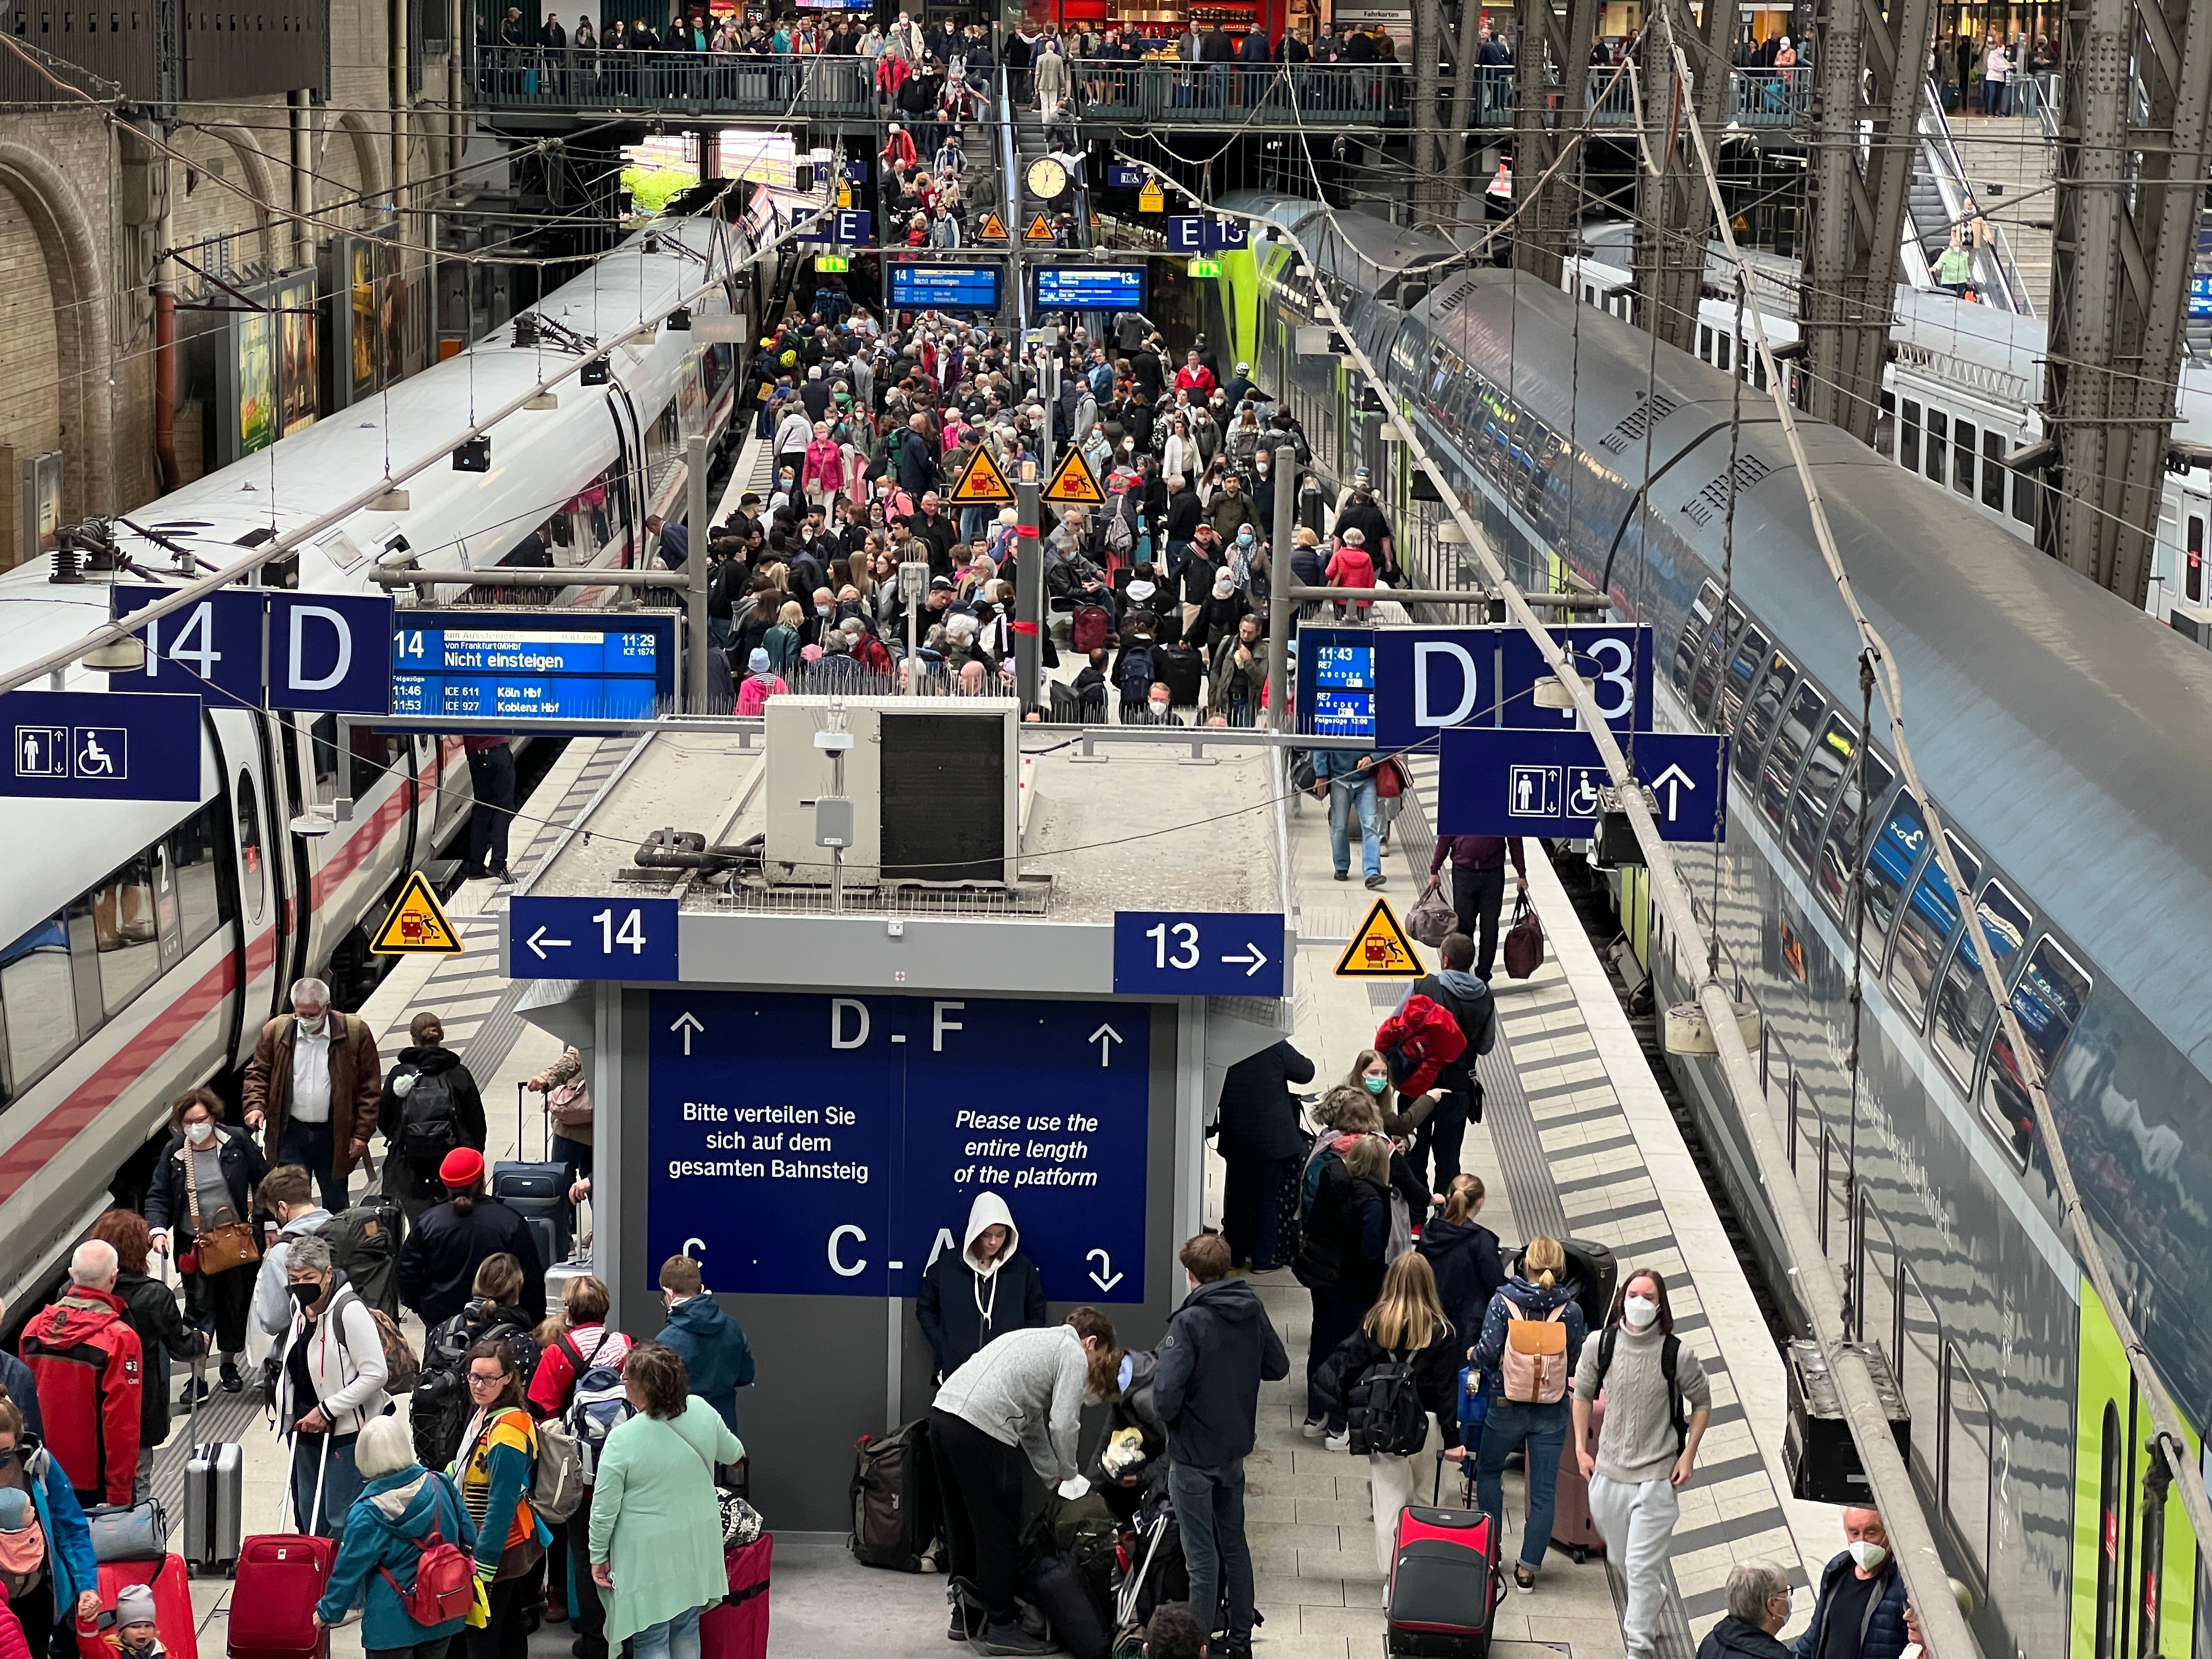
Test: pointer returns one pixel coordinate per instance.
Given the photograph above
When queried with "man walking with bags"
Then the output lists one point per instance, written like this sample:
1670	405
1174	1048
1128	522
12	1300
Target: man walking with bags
1219	1348
431	1108
1478	887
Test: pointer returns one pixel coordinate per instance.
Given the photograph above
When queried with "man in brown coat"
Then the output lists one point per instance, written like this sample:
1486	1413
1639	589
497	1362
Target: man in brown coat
312	1090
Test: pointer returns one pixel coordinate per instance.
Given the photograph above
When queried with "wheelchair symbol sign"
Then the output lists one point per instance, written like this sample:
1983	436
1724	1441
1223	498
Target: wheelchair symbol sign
1583	785
101	751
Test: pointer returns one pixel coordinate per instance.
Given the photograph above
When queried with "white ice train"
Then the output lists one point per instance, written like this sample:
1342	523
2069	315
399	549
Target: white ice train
148	941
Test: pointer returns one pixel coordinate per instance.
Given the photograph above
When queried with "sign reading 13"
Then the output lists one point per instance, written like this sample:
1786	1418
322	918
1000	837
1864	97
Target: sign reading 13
1614	659
1186	952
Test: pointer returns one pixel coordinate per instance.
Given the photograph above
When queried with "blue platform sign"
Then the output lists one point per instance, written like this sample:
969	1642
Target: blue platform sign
1121	176
101	746
1615	658
325	650
1203	233
566	938
1494	780
832	1145
1184	953
837	225
540	667
1429	679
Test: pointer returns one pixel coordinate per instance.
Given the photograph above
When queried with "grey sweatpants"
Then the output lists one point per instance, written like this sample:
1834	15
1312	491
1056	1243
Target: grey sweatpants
1637	1520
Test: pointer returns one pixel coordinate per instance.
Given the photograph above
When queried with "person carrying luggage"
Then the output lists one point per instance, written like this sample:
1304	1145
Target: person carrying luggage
1478	889
47	1562
90	1372
581	1357
1019	1400
1219	1348
201	1192
1261	1143
1340	1264
163	1336
403	1537
431	1108
446	1245
331	1372
982	1290
1658	1402
1464	1255
1395	1371
498	1460
656	1526
1531	1339
712	1344
1455	989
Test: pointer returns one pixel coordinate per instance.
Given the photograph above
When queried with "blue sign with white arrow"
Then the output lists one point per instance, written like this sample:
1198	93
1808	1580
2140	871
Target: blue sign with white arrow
1498	780
833	1145
327	653
101	746
1186	953
1615	658
1199	233
564	938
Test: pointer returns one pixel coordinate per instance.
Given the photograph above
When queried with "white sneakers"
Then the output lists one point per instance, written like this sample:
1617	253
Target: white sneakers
1340	1441
1314	1427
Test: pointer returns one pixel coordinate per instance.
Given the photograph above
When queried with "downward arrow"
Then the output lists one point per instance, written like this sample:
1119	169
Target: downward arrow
532	942
1105	1037
688	1022
1105	1266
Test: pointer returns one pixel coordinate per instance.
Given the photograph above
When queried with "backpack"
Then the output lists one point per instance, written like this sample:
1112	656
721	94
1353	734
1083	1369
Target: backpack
1534	1368
1088	627
1385	1411
445	1581
1134	675
599	1405
364	1243
1670	1351
1120	534
894	1499
1418	1043
556	1483
402	1370
429	1124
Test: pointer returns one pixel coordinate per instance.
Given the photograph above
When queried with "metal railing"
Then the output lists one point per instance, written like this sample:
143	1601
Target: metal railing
683	82
1151	91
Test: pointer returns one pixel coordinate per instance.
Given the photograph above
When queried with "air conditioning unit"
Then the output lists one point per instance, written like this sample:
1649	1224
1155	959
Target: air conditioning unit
932	780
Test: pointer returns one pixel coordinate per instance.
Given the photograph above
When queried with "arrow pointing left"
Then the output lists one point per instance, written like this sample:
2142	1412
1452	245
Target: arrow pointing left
538	941
688	1022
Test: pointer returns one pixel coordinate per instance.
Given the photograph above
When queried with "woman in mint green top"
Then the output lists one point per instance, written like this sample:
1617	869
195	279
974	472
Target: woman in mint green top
656	1525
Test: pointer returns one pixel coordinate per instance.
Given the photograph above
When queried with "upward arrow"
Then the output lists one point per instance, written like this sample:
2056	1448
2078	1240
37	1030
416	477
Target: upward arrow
688	1022
1105	1037
1673	780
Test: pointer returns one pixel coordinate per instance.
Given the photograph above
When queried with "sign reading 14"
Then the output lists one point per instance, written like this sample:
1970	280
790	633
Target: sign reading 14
630	932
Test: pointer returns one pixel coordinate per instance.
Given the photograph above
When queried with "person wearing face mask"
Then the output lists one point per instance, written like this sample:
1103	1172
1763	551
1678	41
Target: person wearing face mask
1265	1146
1758	1605
431	1106
1861	1611
711	1344
988	1286
312	1090
204	1179
1658	1402
330	1373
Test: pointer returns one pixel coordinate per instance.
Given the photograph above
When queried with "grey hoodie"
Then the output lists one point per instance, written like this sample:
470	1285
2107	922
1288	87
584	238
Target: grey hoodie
272	1302
1026	1390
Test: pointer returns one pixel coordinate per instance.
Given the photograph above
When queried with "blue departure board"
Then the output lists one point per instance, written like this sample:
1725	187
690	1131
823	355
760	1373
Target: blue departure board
542	666
945	287
1090	288
1336	682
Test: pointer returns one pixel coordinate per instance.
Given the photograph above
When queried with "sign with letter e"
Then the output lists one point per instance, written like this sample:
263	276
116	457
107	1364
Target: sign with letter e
101	746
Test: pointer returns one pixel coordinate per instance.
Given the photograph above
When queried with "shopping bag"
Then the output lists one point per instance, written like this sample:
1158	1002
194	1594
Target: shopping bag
1430	918
1525	943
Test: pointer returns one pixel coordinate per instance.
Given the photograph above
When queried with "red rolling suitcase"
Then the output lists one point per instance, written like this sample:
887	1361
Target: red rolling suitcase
1572	1528
280	1577
173	1606
1443	1583
737	1628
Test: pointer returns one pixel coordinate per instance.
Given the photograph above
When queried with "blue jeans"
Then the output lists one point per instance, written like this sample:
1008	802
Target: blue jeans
1347	795
672	1638
342	1484
1209	1506
310	1147
1544	1429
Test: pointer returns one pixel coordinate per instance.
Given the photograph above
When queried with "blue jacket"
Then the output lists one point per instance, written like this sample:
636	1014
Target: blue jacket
1343	762
22	1388
1259	1118
1469	1273
1881	1634
1535	1302
715	1353
69	1540
1219	1347
394	1513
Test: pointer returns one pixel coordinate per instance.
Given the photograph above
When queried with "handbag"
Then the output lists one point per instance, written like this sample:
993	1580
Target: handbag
216	1250
1430	918
128	1532
569	1103
1389	780
1525	943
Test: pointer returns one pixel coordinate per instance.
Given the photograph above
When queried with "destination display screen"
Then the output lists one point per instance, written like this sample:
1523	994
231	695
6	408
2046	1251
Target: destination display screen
550	667
1337	680
945	287
1090	288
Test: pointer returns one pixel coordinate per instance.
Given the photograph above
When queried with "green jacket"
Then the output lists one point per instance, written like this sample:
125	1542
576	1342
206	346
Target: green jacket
1225	672
654	1517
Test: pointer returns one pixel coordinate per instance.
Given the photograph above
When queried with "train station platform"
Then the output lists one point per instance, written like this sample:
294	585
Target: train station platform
1577	1138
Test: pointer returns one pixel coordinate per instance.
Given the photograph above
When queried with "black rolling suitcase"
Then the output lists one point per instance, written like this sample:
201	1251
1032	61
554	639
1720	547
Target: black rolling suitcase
1182	671
1595	1273
536	1191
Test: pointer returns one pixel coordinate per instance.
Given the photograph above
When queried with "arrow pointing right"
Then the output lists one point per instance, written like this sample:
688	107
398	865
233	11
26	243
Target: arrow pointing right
688	1022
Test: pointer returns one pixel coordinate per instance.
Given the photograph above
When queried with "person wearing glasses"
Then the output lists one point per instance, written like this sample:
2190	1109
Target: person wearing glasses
498	1460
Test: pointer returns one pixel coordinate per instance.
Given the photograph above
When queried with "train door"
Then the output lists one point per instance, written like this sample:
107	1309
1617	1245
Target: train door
300	860
637	484
253	798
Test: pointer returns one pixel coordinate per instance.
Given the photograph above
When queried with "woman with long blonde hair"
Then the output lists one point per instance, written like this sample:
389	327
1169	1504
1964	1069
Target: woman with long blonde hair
1404	1331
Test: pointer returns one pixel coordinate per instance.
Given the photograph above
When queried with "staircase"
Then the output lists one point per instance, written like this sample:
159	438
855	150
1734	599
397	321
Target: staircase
1942	195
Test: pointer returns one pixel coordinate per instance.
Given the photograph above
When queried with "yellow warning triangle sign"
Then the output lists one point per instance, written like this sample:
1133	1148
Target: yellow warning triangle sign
1380	950
982	483
993	230
416	924
1151	198
1039	230
1074	483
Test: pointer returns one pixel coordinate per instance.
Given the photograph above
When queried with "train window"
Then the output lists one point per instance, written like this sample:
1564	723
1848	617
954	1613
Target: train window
1757	367
193	850
664	447
1924	931
1706	342
1707	681
253	863
123	922
323	748
1963	439
2024	486
1748	658
1964	1005
1823	773
1764	711
1920	1348
1839	851
2193	577
1908	454
2049	999
1885	426
2112	1521
1721	345
1875	1304
1939	442
1993	470
1696	628
1967	1423
39	1000
1780	771
1891	860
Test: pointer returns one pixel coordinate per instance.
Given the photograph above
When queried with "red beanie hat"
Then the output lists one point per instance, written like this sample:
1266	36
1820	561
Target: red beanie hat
463	1169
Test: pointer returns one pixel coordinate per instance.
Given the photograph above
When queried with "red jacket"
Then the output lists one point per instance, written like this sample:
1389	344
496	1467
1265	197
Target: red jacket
1422	1038
90	1369
12	1644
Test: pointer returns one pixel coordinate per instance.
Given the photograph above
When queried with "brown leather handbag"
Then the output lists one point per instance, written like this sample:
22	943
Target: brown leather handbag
217	1249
